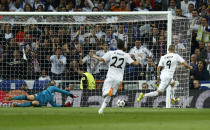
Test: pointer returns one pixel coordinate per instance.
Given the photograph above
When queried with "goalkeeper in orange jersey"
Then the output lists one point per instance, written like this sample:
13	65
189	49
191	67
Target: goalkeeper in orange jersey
42	98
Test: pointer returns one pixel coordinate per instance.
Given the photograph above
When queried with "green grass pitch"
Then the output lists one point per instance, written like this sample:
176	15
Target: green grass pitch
113	119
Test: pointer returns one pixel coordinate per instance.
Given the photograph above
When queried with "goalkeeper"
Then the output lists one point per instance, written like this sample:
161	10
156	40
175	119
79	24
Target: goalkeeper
42	98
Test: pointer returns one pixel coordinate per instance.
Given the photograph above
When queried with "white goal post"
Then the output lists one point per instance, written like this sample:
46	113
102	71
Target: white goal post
66	28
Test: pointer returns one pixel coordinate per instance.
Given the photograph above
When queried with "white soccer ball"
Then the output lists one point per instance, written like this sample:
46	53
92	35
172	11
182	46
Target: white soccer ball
120	103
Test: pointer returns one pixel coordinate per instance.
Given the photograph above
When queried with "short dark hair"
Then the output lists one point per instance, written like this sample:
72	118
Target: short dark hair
120	44
171	48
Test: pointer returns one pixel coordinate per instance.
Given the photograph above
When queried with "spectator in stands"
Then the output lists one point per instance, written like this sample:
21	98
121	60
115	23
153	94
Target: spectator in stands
122	34
203	50
4	5
103	68
193	61
172	7
40	8
198	53
88	5
70	6
203	10
185	5
119	6
34	31
148	5
38	3
21	35
58	62
196	84
95	9
81	34
44	76
17	6
93	40
201	73
44	51
153	37
144	86
73	66
17	66
51	6
108	5
62	3
195	20
159	48
141	6
56	43
110	39
148	71
92	64
36	69
179	12
63	38
7	32
28	8
139	49
86	46
99	32
203	31
190	10
101	6
179	42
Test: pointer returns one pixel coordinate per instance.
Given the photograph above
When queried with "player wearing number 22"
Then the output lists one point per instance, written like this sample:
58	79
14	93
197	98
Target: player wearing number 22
117	60
168	65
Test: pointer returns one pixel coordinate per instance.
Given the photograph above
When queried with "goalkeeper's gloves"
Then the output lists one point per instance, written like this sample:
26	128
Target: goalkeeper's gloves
68	104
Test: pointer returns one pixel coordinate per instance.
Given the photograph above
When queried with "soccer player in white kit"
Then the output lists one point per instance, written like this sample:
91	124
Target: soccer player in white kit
117	60
168	65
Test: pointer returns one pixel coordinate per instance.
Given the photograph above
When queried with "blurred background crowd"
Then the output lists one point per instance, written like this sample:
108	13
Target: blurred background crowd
63	52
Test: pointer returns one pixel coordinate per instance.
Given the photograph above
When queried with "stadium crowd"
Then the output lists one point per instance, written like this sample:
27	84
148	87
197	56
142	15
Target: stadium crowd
57	52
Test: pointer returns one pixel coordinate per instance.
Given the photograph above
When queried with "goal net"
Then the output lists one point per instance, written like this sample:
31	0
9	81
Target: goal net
38	47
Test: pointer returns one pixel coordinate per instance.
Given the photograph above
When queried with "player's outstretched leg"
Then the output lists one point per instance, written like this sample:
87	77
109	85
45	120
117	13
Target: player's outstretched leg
104	104
20	97
150	94
26	104
141	95
174	99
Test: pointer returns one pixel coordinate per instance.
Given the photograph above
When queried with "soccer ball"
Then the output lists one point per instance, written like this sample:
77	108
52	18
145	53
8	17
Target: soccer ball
120	103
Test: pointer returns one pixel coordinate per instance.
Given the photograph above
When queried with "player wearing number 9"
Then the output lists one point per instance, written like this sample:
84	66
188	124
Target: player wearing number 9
117	61
167	66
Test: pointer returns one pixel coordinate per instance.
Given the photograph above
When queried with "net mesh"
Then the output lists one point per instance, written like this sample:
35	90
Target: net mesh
31	46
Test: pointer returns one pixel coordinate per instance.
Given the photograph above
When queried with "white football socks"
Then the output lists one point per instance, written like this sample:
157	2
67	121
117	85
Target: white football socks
104	104
151	94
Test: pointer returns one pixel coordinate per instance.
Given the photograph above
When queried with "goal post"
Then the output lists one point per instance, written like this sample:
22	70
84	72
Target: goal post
30	42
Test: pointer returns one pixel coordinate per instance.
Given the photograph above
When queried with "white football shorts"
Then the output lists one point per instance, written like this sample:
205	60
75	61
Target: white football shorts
108	84
164	83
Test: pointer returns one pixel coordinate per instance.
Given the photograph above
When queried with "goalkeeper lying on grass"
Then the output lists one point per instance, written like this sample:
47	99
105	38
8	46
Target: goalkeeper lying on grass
42	98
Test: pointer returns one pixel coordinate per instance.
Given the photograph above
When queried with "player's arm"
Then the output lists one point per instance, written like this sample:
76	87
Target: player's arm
136	63
98	58
159	68
186	65
182	61
56	89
